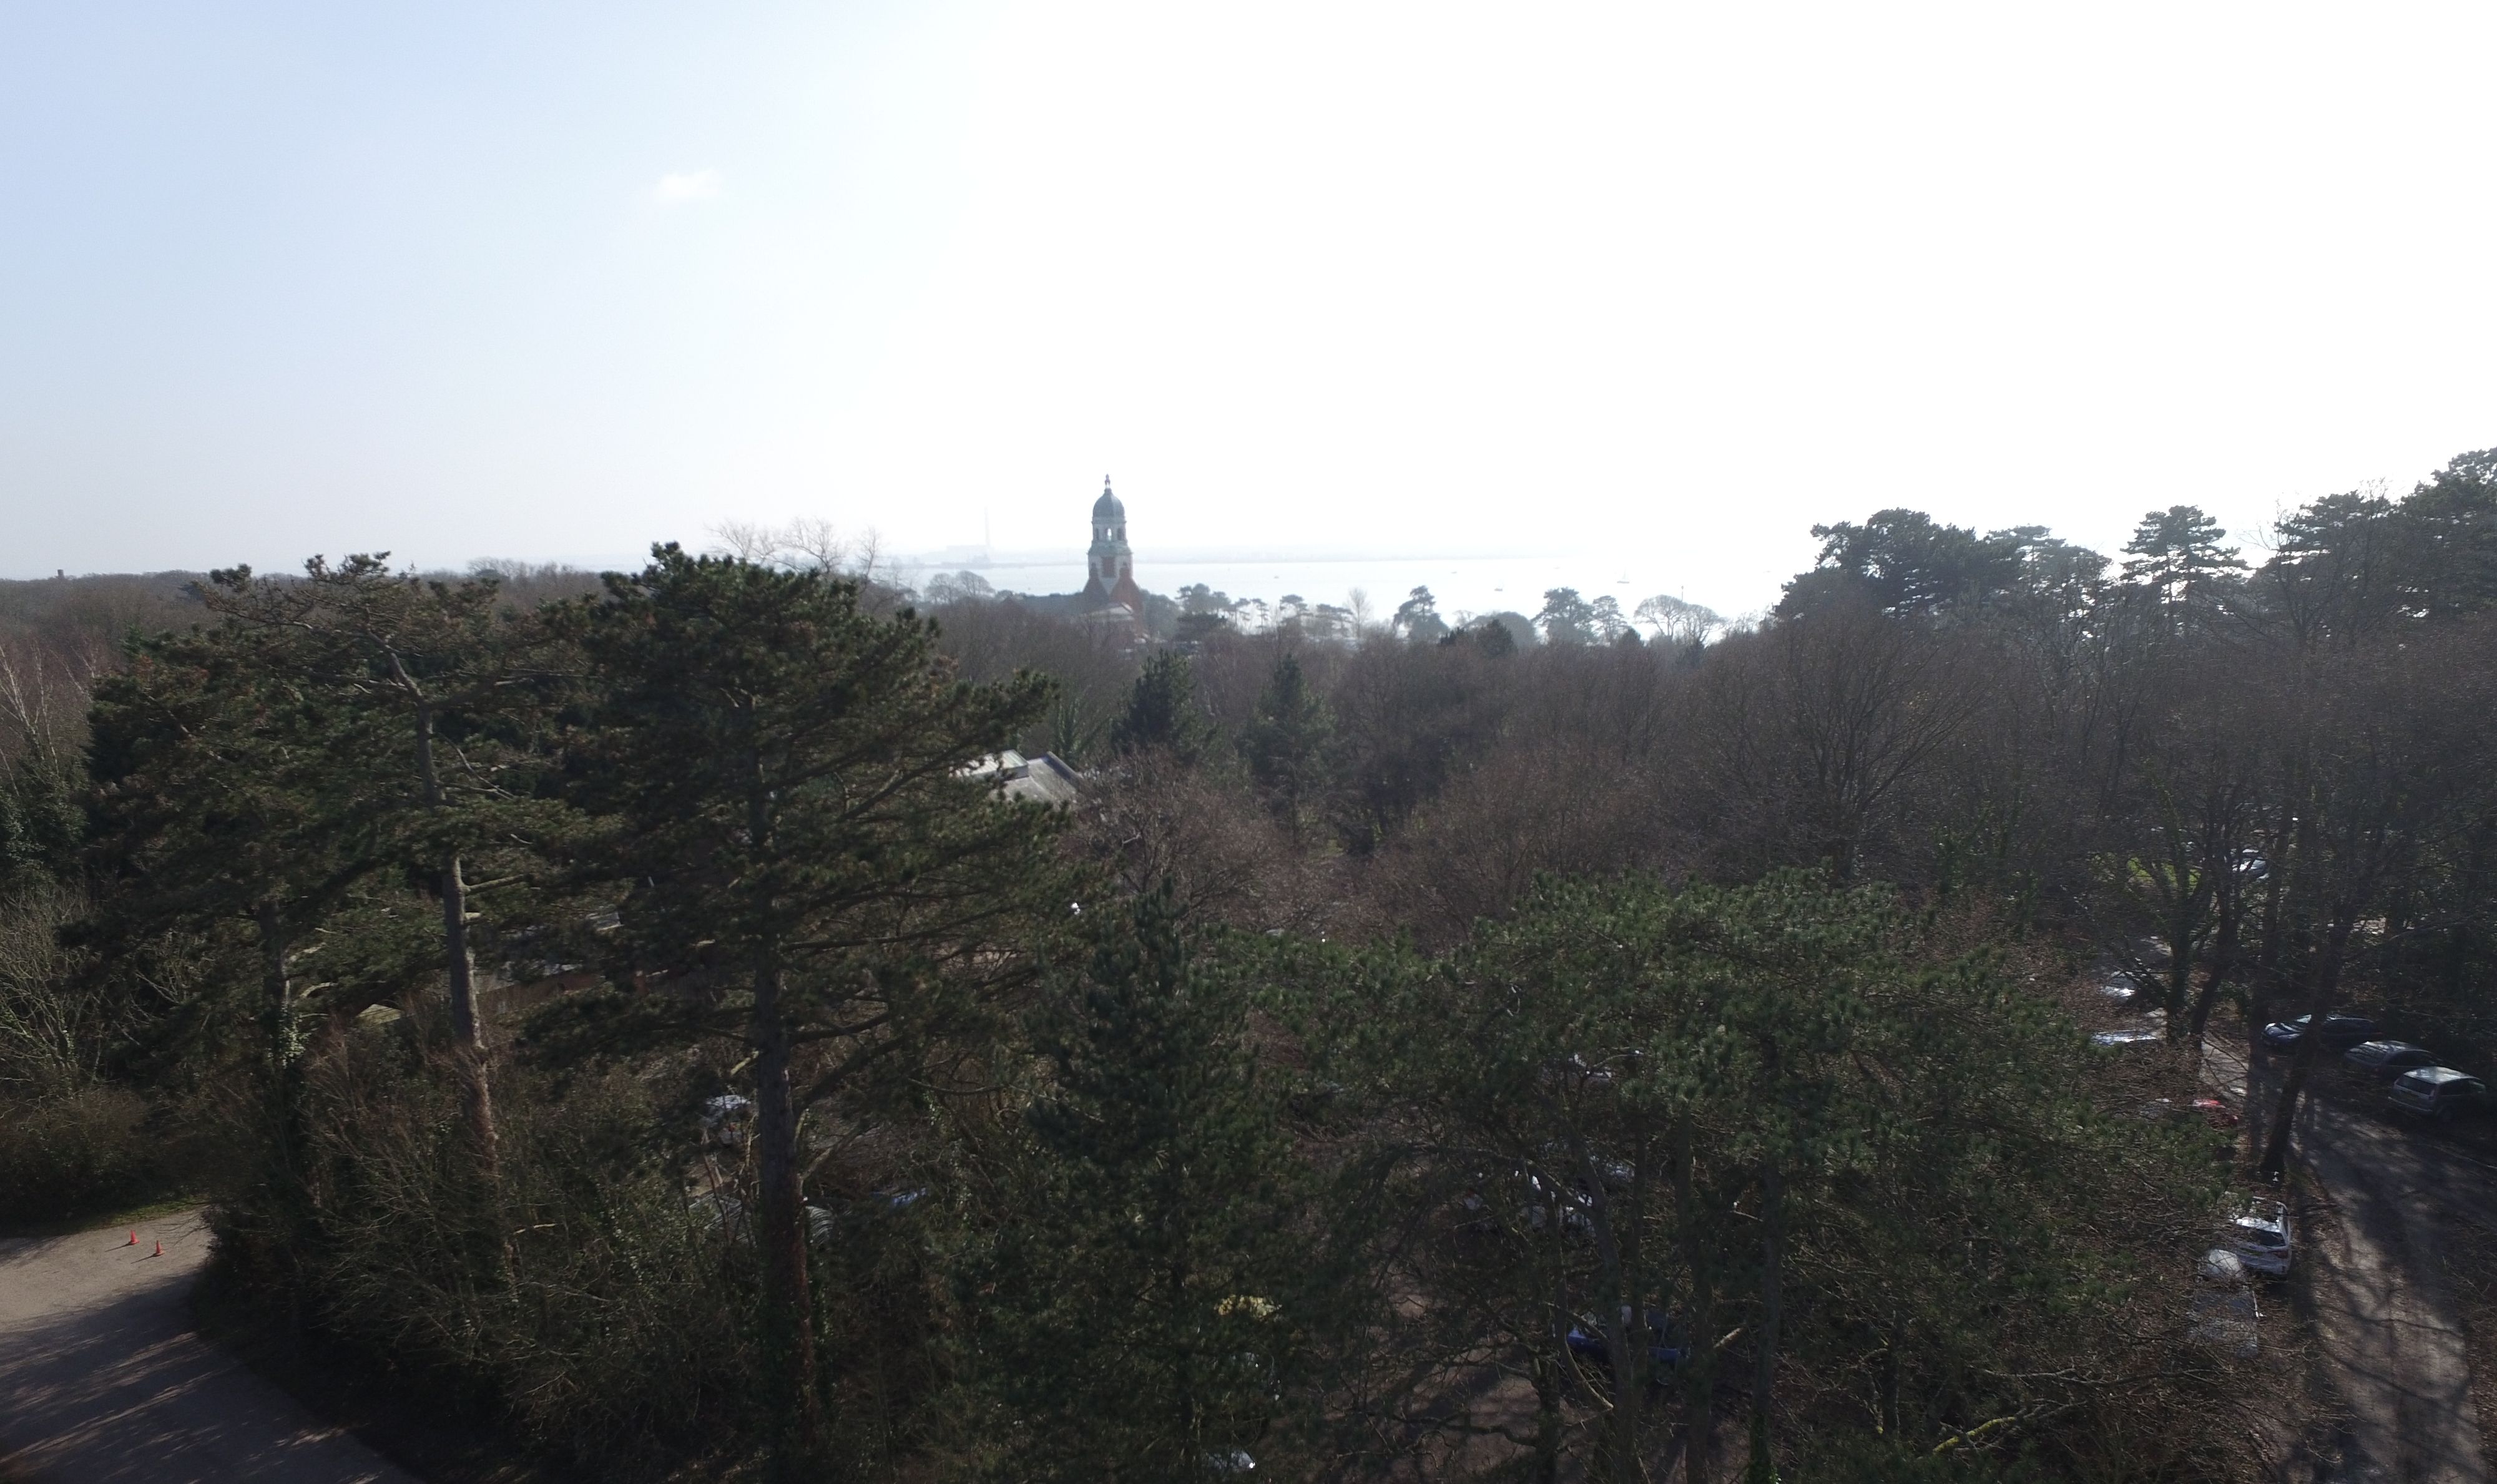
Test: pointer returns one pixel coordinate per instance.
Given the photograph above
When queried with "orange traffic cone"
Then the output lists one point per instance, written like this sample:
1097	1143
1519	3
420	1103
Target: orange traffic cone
134	1240
160	1249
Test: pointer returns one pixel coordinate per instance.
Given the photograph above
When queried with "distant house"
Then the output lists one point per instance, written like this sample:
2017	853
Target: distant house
1044	780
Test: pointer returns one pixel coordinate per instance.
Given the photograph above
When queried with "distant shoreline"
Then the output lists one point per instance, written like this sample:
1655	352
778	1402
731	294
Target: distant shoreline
1460	584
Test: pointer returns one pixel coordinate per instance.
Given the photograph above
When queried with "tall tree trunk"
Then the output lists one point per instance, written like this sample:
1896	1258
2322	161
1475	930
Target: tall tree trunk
1699	1364
1175	1280
2461	941
277	993
1886	1382
1764	1372
1630	1395
781	1231
2224	963
467	1026
2181	937
286	1109
460	970
2319	1001
2280	856
1545	1372
781	1226
1554	1368
1625	1328
285	1040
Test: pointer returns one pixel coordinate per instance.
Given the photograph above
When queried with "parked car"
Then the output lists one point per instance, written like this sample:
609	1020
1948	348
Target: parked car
1615	1174
724	1119
1571	1202
2258	1238
2386	1059
2439	1092
1586	1341
2338	1030
1477	1213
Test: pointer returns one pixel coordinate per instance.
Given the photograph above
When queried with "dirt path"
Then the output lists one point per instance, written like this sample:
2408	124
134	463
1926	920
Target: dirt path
103	1376
2395	1351
2388	1320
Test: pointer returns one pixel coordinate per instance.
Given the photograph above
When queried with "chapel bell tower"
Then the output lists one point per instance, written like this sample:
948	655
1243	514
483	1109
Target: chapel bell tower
1111	576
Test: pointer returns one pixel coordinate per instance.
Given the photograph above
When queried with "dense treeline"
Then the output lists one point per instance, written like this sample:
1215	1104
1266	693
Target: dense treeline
1593	1046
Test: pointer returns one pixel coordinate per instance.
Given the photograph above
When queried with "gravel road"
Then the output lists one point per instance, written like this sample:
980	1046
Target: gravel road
2392	1346
103	1376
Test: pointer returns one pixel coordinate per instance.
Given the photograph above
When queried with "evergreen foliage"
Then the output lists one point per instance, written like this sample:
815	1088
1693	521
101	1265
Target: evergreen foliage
1287	745
465	689
1531	1117
1138	1311
41	822
1567	618
783	780
2176	557
1904	561
1162	711
236	804
1418	620
1743	1109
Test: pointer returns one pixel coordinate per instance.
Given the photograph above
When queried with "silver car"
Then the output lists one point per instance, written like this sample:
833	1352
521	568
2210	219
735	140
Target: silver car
2439	1092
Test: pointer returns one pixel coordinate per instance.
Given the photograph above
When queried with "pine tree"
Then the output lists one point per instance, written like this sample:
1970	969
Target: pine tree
1745	1111
1162	711
782	778
2452	524
40	823
1288	743
1566	617
1418	618
1139	1310
2176	556
1604	617
235	819
234	802
440	682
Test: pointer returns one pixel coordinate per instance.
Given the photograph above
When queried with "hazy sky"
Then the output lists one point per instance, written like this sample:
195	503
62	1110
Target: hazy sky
554	280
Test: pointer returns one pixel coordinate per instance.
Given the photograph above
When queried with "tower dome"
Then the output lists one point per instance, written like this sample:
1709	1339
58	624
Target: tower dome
1111	576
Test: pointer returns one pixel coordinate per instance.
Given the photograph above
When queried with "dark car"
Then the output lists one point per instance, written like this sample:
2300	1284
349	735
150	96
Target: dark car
1586	1341
2386	1059
2337	1031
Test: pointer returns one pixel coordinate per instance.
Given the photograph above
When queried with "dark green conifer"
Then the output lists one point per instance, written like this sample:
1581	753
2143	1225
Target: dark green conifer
1141	1307
1287	744
234	802
786	780
1162	711
441	684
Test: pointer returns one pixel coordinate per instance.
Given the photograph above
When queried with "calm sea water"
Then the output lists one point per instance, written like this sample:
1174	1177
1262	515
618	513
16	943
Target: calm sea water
1462	585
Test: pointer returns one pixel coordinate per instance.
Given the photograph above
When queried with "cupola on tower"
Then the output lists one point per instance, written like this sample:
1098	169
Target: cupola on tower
1112	574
